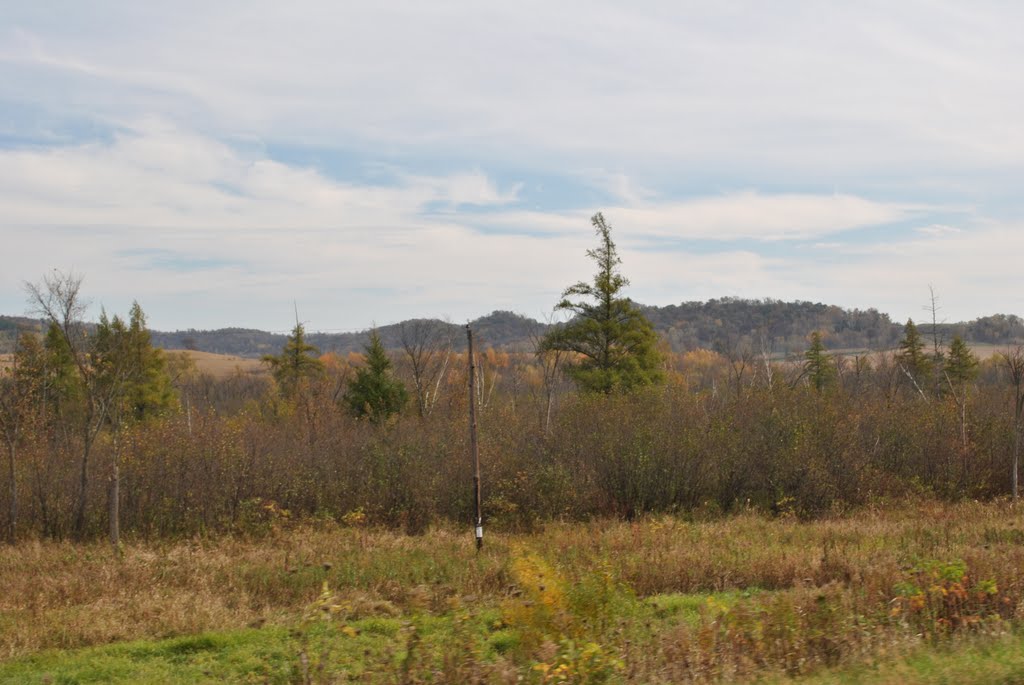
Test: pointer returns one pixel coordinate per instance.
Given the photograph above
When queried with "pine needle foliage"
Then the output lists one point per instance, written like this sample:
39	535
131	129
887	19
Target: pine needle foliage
960	365
818	364
296	362
912	356
375	393
614	343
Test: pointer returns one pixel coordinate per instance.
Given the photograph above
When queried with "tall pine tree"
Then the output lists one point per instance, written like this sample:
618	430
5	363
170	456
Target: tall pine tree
296	362
614	345
960	365
149	391
818	366
375	393
912	357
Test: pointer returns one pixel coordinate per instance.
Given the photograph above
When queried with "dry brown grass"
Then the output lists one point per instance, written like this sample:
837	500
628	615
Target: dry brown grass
63	595
59	594
222	365
217	365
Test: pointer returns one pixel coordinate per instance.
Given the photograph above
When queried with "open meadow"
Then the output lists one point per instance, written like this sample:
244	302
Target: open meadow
221	365
215	365
931	593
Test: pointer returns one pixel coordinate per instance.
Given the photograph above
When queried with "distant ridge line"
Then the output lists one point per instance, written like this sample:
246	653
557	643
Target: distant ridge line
728	325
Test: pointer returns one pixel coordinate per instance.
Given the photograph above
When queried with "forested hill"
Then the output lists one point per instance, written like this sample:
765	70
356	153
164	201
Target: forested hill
498	329
721	324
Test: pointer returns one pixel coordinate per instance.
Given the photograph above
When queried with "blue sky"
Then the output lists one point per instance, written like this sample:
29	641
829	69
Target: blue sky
371	162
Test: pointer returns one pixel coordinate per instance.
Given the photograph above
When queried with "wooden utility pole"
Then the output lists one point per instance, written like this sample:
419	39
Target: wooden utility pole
473	447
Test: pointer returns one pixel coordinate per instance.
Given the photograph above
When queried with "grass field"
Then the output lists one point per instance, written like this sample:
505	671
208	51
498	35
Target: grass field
217	365
929	594
222	365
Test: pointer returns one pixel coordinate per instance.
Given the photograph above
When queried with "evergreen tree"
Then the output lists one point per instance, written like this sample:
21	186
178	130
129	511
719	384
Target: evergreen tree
818	366
375	393
149	390
295	363
615	344
912	356
61	377
961	366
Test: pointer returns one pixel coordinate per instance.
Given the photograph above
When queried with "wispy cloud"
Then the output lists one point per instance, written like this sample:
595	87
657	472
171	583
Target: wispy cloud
840	152
938	230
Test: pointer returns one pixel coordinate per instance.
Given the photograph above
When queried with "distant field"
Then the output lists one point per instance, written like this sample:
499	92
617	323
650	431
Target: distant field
982	350
986	351
222	365
217	365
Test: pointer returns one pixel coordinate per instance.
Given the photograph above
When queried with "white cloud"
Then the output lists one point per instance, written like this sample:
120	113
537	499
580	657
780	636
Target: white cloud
974	273
163	214
896	104
938	230
831	89
156	176
752	215
470	188
737	216
620	186
160	214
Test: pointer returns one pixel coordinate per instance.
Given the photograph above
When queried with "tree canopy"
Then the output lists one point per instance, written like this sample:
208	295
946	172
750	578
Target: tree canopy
375	393
614	344
818	365
960	365
297	361
912	357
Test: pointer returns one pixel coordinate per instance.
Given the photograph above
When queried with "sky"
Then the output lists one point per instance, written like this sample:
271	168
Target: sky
229	163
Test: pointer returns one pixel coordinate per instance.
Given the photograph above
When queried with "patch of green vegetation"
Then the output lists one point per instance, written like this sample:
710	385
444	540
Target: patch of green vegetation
688	607
263	655
503	641
375	648
387	627
984	661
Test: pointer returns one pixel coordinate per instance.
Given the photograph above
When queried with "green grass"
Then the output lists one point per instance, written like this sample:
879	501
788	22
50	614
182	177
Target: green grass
237	656
333	651
983	661
376	648
688	607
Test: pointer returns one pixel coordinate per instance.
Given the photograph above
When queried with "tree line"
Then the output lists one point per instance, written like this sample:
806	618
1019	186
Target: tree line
598	416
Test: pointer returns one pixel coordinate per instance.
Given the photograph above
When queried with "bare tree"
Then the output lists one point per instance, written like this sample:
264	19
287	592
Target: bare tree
933	308
937	342
766	347
427	347
58	300
550	362
740	357
1013	359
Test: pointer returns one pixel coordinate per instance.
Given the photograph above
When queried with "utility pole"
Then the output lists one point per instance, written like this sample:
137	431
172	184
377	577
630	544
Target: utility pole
473	446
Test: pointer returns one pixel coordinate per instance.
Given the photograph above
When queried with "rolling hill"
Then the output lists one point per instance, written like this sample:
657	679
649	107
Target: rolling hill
722	324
